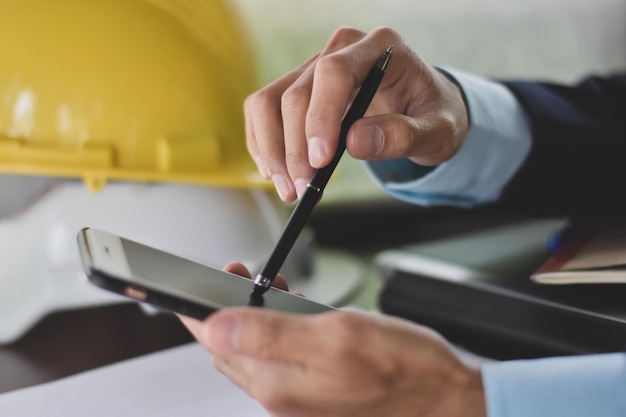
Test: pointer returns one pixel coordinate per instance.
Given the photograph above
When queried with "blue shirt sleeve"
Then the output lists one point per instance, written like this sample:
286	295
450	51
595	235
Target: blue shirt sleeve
497	142
574	386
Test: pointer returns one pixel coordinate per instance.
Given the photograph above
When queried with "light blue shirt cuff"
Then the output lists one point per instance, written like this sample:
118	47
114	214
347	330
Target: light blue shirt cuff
574	386
496	145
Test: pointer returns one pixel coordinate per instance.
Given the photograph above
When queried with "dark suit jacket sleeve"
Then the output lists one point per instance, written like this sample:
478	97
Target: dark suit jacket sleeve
578	158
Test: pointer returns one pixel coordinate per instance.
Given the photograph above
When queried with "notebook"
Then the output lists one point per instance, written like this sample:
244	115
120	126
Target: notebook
587	253
476	290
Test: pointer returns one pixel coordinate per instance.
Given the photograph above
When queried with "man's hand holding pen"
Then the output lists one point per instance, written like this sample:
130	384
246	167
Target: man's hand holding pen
315	187
293	124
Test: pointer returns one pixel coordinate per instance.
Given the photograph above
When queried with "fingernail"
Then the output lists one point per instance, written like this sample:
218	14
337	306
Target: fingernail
282	186
223	333
301	186
261	167
371	139
316	152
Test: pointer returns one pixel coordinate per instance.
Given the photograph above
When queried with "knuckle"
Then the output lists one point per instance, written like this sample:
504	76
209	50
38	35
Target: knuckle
333	64
344	36
386	33
259	99
294	97
336	66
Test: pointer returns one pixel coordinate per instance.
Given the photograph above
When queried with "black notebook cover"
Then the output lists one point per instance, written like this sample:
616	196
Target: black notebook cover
475	290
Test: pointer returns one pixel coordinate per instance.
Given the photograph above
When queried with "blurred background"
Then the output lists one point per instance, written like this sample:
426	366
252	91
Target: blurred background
549	39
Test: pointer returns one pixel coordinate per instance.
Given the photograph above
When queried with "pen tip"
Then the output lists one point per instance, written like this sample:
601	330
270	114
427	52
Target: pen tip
384	60
256	299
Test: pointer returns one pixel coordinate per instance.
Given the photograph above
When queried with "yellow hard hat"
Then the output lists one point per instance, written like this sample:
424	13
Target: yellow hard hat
143	90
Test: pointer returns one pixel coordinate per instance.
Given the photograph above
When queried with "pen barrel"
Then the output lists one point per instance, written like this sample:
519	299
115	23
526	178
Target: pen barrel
294	226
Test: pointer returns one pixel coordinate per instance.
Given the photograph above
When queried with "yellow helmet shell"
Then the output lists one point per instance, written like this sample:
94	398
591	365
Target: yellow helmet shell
143	90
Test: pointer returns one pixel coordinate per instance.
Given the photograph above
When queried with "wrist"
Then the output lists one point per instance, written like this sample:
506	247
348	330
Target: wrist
471	399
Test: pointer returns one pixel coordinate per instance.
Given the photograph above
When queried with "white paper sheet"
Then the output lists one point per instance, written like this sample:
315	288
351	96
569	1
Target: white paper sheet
177	382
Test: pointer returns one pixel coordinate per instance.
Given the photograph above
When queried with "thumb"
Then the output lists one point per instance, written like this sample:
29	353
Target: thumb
392	136
262	333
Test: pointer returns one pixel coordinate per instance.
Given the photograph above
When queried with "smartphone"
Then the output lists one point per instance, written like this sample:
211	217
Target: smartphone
172	283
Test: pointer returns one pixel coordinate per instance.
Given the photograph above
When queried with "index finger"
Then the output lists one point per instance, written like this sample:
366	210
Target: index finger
337	77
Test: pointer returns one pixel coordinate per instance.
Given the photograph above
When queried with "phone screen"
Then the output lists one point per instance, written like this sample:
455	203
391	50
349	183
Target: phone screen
167	274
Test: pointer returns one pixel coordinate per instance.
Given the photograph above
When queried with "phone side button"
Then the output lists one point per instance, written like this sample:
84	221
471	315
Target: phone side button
136	293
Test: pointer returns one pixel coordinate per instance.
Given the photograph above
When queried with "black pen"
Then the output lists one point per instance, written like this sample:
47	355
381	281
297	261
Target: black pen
320	178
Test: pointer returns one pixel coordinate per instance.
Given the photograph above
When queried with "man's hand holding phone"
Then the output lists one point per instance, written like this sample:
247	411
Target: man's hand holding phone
337	363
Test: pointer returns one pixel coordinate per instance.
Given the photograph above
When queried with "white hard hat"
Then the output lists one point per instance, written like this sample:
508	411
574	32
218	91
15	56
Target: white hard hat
142	101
